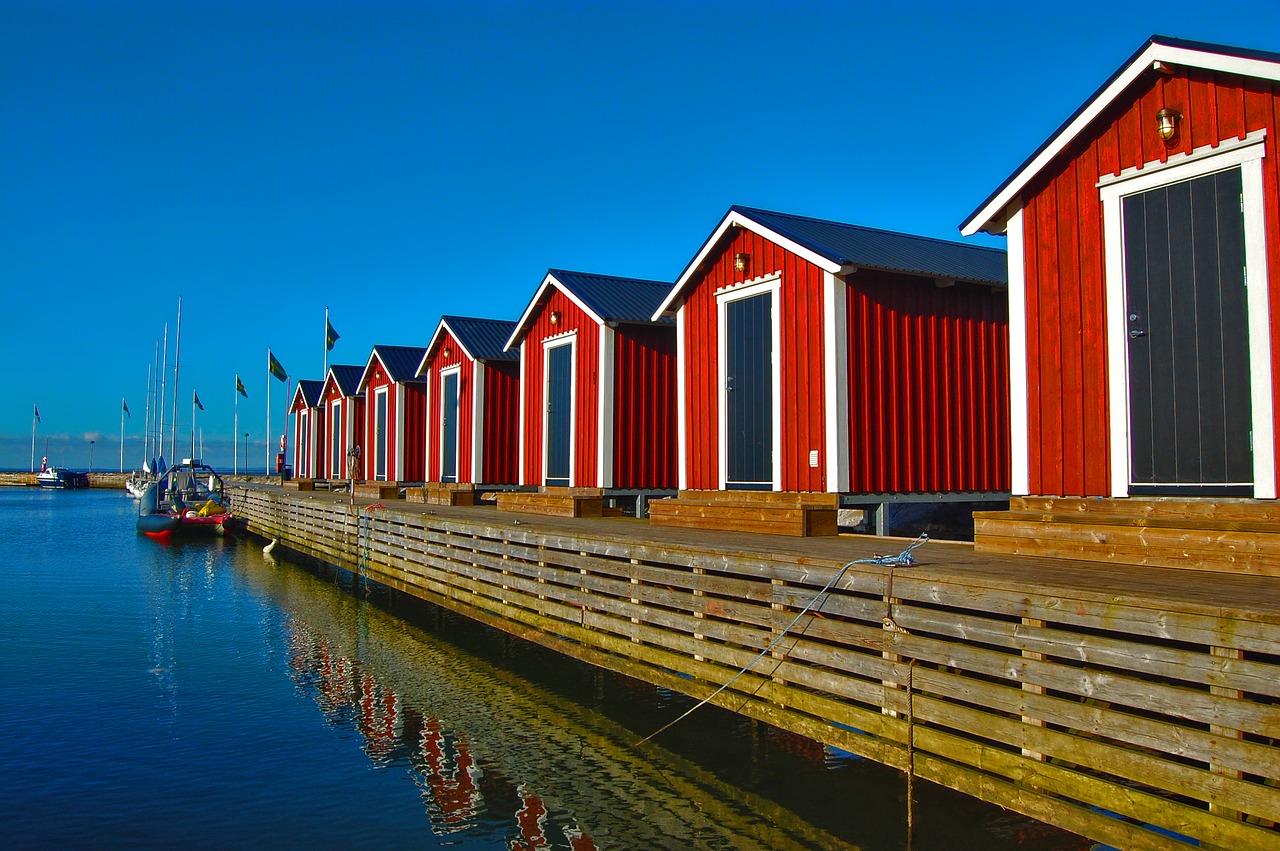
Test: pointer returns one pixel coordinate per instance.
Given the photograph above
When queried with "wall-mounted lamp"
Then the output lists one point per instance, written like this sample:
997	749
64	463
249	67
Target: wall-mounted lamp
555	317
1167	123
448	352
741	261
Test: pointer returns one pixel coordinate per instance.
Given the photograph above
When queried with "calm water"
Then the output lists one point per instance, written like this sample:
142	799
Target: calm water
203	695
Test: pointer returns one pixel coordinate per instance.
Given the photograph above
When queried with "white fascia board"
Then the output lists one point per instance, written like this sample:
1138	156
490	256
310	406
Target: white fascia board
548	281
605	388
1176	56
735	218
477	391
682	404
836	381
524	391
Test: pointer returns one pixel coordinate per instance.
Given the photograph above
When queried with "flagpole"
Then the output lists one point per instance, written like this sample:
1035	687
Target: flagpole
122	406
164	376
284	432
268	438
34	418
235	433
193	425
326	343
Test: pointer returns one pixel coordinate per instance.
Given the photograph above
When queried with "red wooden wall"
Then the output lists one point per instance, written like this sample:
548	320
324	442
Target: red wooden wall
1062	221
928	385
802	399
437	361
644	414
586	414
501	458
415	415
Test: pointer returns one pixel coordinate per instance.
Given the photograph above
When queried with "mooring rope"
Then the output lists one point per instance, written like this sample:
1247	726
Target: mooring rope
902	559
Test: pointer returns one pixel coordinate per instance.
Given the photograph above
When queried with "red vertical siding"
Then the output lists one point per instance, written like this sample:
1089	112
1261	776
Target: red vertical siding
501	447
928	385
415	432
379	379
587	410
645	408
437	361
1065	276
801	321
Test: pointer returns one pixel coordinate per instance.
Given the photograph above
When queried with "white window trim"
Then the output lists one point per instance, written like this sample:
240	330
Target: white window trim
772	286
477	391
401	396
835	372
682	403
605	387
569	339
1247	156
457	465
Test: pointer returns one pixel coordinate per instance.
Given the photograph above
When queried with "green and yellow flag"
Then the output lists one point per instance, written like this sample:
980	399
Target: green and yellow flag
276	369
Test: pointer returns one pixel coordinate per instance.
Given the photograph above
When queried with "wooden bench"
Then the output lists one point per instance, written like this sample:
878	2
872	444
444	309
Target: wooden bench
770	512
378	490
443	493
555	502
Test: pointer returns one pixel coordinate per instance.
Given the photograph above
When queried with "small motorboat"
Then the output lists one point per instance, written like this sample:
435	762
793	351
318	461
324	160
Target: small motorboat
188	500
56	477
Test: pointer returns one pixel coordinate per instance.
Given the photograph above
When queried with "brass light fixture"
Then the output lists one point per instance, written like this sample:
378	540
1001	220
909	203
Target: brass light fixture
1167	123
448	352
555	317
741	261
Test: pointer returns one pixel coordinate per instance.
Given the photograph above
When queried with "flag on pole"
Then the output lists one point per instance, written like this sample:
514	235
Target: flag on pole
37	408
126	407
195	397
330	336
240	387
275	368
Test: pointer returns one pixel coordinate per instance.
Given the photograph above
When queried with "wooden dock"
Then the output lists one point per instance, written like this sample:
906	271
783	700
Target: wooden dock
1099	698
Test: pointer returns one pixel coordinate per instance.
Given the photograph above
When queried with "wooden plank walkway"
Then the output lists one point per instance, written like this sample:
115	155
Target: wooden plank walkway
1070	691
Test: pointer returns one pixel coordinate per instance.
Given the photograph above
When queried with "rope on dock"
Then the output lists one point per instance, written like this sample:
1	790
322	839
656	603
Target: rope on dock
902	559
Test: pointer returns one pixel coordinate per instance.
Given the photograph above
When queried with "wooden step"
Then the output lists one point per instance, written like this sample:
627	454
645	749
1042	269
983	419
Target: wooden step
764	499
799	521
378	490
1246	510
552	504
299	485
1160	542
443	493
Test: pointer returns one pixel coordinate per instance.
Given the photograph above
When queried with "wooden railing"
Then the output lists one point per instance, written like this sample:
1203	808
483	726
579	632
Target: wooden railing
1101	714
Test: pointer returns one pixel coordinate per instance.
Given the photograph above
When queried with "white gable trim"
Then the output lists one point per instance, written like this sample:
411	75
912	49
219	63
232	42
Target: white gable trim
993	210
1248	158
737	219
548	281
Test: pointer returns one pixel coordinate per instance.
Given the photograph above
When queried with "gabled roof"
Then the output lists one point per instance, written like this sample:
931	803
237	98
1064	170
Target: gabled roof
310	391
346	377
1156	52
400	362
481	339
837	248
603	297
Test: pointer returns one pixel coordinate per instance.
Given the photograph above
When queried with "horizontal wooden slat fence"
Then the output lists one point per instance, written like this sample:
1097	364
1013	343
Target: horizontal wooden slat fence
1097	717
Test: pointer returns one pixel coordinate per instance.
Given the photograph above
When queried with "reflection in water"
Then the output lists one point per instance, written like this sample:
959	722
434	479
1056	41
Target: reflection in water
493	754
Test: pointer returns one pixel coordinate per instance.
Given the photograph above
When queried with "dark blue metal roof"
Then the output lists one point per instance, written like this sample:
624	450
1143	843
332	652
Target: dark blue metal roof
483	338
616	299
310	391
401	362
854	245
347	378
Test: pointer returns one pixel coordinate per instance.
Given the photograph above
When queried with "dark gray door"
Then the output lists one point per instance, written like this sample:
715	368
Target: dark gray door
559	414
1188	338
380	437
749	392
449	429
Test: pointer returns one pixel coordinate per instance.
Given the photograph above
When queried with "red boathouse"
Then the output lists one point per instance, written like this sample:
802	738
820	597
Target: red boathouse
473	402
308	429
344	420
395	415
1144	249
820	356
597	384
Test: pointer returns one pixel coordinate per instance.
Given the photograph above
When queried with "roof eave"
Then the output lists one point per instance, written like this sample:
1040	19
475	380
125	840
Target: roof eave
549	281
1170	51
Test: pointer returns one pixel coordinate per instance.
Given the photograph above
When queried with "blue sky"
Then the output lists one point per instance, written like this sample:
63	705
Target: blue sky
401	160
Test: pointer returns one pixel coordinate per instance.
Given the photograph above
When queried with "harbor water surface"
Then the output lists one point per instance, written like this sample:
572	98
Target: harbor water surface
204	695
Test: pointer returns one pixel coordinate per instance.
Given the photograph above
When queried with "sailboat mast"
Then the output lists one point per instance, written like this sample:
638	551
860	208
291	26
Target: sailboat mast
146	428
164	372
177	356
